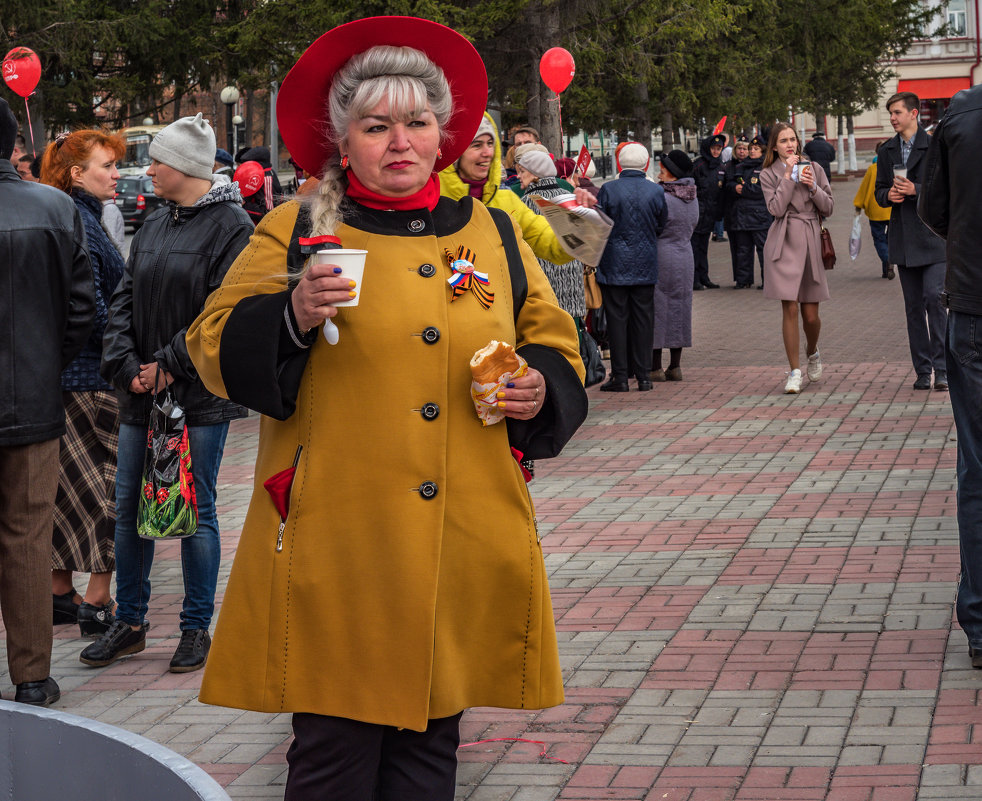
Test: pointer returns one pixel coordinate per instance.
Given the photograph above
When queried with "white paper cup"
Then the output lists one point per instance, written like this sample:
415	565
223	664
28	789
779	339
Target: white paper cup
352	264
899	171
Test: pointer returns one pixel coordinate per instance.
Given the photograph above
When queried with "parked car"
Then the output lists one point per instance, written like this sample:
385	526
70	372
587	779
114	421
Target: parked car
135	199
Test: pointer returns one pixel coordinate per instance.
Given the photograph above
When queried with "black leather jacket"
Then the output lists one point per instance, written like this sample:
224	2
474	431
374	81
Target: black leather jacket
47	305
951	198
177	259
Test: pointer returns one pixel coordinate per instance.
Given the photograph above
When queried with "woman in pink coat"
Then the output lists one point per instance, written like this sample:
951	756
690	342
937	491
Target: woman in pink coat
799	197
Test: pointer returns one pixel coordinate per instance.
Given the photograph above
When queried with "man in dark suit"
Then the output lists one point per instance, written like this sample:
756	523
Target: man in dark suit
951	204
821	152
916	250
47	304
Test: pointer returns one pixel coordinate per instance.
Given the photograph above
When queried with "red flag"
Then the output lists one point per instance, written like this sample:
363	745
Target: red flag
719	126
582	161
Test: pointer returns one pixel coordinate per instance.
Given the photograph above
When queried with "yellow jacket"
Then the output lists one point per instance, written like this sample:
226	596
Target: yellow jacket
864	197
411	583
535	229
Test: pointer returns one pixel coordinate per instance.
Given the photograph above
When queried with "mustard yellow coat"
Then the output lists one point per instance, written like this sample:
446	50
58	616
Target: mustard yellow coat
386	605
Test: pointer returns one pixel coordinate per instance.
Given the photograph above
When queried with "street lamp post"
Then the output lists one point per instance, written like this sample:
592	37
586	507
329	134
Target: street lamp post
236	122
229	96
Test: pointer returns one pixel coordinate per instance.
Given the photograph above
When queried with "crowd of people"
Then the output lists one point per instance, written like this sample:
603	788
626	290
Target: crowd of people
219	304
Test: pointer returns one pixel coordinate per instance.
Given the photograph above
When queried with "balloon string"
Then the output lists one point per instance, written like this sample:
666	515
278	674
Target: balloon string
542	753
30	127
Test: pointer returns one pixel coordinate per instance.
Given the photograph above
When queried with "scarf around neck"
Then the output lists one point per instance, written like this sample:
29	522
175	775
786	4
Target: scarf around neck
427	197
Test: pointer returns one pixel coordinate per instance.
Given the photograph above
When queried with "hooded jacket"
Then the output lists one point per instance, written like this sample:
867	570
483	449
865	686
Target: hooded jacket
705	172
535	230
178	257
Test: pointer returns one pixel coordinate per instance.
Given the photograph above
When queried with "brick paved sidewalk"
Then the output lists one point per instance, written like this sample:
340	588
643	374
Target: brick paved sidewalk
753	591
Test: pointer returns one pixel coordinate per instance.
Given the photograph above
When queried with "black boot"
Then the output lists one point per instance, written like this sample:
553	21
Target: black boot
38	693
119	641
191	652
65	608
94	621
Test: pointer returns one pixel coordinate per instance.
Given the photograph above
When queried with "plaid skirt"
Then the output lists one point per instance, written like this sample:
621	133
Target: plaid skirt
85	508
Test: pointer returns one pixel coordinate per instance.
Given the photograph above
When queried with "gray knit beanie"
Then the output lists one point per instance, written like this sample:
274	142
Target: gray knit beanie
538	163
187	145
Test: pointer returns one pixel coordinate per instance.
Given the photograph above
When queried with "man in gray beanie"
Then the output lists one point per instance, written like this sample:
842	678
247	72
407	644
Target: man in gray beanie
187	145
47	303
177	259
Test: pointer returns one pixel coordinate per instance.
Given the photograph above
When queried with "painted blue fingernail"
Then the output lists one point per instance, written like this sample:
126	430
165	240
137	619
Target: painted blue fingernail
509	386
337	270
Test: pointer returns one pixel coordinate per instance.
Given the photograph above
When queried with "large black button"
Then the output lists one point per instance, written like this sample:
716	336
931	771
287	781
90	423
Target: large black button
428	489
416	226
430	411
426	270
431	335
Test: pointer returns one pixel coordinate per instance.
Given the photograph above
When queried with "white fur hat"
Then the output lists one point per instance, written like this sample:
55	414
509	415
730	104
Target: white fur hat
632	156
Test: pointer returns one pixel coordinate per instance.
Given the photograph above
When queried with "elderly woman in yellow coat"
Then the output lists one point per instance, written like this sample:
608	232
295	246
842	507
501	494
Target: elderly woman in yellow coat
406	581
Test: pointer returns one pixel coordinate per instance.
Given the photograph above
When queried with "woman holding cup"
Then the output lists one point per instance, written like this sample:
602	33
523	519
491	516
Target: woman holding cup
799	197
395	598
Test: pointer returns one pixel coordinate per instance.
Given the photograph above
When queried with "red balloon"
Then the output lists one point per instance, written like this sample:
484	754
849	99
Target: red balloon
22	70
557	68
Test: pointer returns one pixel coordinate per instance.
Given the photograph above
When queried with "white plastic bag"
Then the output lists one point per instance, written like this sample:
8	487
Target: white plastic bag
856	237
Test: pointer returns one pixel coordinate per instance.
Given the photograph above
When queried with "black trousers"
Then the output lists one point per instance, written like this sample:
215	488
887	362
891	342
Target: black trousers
747	243
630	329
336	759
700	254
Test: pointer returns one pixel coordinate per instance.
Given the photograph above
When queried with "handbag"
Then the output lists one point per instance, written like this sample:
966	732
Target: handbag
591	289
828	252
168	507
592	363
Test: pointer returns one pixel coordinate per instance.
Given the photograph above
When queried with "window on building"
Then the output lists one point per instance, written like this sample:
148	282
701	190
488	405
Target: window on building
957	18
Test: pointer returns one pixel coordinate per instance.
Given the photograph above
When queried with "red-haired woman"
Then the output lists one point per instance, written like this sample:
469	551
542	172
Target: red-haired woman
83	164
798	196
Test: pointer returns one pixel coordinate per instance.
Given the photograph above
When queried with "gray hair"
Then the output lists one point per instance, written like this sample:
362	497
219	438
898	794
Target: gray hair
411	83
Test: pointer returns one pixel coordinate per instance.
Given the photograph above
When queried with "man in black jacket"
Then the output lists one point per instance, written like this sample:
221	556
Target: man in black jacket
47	303
821	152
178	258
913	247
950	203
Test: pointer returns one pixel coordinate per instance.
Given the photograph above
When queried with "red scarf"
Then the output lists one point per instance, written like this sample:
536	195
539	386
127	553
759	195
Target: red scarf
427	197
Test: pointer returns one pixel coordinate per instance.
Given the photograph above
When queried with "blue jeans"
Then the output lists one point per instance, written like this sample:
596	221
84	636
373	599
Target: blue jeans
963	349
926	316
878	229
200	553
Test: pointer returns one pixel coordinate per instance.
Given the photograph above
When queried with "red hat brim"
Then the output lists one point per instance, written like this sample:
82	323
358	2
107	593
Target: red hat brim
301	106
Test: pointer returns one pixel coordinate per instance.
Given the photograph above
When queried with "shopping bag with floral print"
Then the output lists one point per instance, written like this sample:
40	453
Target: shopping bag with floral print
168	506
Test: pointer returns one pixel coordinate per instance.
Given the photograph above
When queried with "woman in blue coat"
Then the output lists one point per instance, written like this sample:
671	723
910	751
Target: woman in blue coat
628	269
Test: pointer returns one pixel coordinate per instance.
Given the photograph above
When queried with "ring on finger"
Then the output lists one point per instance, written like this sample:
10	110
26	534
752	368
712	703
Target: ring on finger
534	404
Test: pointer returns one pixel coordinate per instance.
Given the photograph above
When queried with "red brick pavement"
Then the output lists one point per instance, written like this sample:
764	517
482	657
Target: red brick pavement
753	591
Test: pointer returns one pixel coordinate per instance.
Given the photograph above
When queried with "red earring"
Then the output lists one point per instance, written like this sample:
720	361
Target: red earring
439	154
344	162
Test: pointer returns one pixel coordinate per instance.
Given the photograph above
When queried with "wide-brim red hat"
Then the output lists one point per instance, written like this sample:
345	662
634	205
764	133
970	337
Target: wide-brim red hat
302	107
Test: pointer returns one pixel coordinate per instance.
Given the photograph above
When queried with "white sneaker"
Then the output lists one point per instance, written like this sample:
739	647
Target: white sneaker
793	387
814	366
